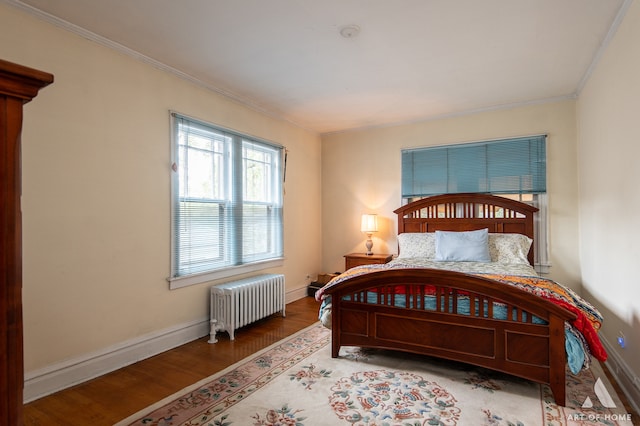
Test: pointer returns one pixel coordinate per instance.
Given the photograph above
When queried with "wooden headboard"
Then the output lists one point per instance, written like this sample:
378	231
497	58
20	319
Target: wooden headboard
467	212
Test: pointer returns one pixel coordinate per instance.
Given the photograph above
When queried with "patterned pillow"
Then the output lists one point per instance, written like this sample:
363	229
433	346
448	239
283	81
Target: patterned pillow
509	248
417	245
503	248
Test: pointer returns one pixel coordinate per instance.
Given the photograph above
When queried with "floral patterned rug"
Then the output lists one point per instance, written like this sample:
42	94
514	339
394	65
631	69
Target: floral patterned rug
296	382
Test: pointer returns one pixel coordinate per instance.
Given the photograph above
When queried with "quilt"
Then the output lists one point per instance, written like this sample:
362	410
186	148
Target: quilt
581	341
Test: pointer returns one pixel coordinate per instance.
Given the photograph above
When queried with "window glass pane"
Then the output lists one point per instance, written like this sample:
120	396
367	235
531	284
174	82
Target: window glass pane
262	205
200	177
201	164
201	229
256	239
257	173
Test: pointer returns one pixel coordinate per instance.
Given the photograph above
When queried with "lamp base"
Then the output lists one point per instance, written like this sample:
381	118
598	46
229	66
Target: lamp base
369	245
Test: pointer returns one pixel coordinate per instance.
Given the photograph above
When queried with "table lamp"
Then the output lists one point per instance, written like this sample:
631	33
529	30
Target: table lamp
369	225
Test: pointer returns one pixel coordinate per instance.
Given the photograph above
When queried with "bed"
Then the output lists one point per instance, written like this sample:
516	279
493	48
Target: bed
463	288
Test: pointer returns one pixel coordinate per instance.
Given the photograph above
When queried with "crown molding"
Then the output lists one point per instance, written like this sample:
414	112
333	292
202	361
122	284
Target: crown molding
103	41
617	21
473	111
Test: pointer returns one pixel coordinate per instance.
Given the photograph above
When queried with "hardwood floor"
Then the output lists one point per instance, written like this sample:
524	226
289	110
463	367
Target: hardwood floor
115	396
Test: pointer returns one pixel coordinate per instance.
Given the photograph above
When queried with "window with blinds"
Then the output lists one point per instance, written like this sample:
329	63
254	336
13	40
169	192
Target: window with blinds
509	166
514	168
226	201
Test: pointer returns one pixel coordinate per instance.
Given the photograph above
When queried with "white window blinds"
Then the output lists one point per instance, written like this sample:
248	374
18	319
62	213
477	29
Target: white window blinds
227	199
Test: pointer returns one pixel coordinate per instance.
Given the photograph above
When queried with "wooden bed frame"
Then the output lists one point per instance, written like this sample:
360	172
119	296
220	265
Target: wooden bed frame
515	346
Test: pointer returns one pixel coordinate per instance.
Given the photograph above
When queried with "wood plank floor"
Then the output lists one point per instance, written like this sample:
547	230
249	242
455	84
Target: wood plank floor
115	396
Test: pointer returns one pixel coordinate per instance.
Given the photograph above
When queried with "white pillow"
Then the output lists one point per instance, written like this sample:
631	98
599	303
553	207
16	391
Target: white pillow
509	248
417	245
467	246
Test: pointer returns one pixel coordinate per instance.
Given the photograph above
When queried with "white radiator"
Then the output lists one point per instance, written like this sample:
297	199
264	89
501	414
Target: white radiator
238	303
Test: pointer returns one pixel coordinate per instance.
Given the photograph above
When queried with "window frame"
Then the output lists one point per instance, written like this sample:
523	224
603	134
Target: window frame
232	197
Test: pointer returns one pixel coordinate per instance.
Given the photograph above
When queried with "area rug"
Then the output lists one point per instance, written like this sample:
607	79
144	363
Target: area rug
296	382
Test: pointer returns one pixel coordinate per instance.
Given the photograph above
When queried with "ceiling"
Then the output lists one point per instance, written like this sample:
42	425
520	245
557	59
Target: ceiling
412	60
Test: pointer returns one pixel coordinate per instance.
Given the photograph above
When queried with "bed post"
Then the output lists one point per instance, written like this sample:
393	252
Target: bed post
557	360
335	322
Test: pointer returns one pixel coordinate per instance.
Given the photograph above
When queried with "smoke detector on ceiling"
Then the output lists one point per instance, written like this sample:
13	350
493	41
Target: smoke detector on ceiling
349	31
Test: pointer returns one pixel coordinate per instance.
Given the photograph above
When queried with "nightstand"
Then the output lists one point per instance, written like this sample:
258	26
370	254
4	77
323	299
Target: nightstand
357	259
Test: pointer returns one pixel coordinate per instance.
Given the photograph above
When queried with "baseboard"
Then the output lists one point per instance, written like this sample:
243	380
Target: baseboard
57	377
60	376
295	294
624	376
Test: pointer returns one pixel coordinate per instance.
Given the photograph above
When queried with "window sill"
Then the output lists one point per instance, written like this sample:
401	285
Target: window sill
188	280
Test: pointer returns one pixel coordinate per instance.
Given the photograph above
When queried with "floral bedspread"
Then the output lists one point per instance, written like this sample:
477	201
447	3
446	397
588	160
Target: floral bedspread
523	276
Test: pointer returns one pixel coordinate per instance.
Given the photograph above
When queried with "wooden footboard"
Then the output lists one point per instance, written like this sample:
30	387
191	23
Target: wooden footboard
387	309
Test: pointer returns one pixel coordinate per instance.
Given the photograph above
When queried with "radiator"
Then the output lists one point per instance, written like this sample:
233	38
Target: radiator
238	303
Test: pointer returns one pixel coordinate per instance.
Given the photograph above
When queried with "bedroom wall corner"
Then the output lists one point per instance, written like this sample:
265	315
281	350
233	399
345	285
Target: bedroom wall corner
607	122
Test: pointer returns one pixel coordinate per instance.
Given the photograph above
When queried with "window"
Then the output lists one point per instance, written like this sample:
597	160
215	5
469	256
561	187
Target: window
509	166
513	168
226	203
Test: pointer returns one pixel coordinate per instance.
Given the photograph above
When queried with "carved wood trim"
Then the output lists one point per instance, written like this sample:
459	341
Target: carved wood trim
18	85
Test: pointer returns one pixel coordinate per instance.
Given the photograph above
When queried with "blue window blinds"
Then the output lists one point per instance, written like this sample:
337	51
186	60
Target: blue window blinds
506	166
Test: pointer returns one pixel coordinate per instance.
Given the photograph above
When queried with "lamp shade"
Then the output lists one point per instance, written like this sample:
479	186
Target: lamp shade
369	223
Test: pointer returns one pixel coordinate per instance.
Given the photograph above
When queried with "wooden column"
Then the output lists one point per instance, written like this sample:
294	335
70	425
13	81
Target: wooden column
18	85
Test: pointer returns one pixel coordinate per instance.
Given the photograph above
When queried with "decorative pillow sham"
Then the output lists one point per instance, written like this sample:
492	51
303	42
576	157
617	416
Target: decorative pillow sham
420	245
509	248
503	248
466	246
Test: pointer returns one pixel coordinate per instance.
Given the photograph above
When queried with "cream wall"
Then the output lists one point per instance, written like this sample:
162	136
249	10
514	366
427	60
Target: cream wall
96	189
609	177
96	202
361	173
